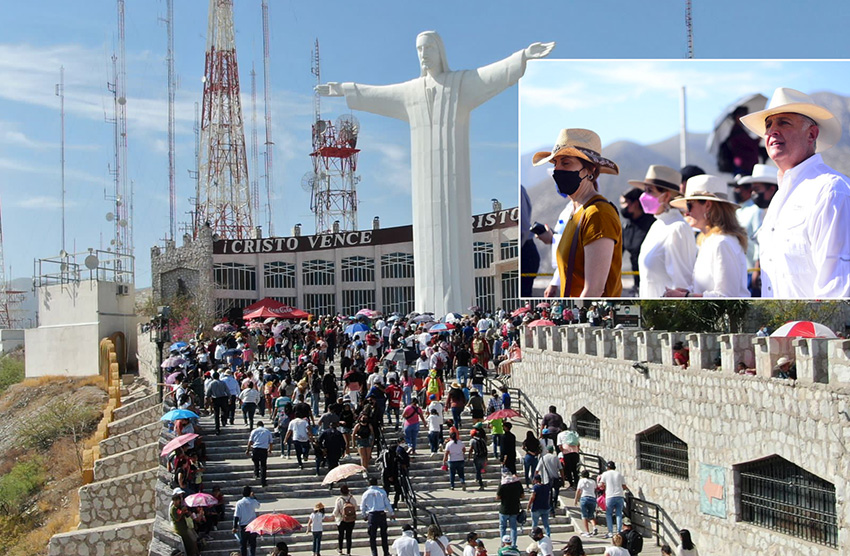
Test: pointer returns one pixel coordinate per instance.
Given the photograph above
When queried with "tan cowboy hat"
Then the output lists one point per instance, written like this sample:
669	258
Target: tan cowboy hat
762	173
659	176
704	188
790	100
580	143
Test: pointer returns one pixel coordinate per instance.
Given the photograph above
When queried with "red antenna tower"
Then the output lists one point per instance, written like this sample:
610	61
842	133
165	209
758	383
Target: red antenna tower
224	199
333	182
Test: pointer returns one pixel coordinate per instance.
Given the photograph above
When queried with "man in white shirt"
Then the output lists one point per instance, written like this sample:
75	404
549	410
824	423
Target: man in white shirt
244	513
259	446
804	240
615	496
406	544
544	543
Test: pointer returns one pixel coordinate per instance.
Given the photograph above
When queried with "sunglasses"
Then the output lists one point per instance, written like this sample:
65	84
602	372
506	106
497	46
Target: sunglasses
690	204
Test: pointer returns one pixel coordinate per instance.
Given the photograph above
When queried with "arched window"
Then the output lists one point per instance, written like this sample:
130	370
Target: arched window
318	272
586	424
660	451
779	495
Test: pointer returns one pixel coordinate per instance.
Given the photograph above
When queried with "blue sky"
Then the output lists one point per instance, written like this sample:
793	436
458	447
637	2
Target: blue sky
369	42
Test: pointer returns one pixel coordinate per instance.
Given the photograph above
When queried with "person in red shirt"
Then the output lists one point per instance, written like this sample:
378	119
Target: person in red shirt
394	395
371	363
681	355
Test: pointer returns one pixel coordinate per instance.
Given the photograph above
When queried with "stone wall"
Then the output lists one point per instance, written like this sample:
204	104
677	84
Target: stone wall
128	409
130	440
118	500
726	419
126	539
185	270
132	461
136	420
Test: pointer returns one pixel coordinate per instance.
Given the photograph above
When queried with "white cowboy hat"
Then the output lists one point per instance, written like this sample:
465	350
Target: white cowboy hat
580	143
704	187
786	100
782	361
659	176
762	173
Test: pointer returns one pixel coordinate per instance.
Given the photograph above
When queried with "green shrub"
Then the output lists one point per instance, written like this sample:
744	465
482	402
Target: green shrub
11	372
18	485
60	418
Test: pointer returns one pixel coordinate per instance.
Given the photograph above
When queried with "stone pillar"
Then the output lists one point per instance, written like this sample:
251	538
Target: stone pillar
703	350
648	346
569	342
553	338
527	338
625	344
586	340
839	362
666	340
734	348
540	337
605	343
811	356
768	350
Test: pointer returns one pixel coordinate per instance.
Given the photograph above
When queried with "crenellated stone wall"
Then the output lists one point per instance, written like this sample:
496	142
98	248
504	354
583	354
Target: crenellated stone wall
125	498
130	440
185	270
136	420
725	418
126	410
127	539
128	462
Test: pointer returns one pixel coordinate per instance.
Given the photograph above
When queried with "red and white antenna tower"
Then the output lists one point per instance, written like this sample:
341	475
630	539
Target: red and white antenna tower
224	199
255	164
10	300
122	197
268	114
333	182
689	27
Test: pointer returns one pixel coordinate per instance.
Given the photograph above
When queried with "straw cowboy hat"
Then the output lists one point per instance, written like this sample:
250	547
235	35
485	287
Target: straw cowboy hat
580	143
762	173
659	176
704	188
786	100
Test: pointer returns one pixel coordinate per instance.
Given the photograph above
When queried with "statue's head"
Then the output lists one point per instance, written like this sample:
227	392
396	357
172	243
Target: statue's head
432	53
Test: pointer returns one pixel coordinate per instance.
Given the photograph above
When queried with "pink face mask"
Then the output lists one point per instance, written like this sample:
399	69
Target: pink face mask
649	203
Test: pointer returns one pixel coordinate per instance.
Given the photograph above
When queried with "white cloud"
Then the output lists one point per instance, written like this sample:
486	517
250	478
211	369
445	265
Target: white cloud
42	202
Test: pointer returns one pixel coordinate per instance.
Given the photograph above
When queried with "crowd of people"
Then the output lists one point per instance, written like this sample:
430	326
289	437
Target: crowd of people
395	376
779	230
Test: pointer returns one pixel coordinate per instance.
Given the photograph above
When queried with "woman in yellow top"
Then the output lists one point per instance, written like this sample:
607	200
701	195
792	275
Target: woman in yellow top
590	253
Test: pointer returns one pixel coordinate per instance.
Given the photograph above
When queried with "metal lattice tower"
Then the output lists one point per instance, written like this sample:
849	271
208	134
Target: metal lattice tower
172	85
689	27
268	115
224	199
333	182
255	164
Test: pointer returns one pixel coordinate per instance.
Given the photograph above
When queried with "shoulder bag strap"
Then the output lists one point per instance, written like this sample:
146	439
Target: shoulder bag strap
574	246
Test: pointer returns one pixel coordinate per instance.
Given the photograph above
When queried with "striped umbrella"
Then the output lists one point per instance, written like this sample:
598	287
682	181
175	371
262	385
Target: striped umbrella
803	329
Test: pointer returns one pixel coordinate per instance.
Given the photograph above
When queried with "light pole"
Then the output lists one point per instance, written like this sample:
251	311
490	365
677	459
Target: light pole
161	334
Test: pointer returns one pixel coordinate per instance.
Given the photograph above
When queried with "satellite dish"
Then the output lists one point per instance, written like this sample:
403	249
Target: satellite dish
111	242
92	262
118	202
321	126
110	217
63	253
203	79
122	223
122	101
308	181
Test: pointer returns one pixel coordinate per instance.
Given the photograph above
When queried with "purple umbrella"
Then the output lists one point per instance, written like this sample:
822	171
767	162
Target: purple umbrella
172	378
173	361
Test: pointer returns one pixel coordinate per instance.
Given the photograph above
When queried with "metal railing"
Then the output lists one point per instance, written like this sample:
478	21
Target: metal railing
651	517
519	402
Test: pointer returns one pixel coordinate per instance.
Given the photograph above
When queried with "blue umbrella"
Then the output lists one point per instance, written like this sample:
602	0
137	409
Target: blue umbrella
232	353
175	414
352	329
177	346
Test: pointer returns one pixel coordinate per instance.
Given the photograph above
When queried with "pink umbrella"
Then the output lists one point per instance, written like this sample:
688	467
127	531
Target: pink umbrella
254	325
173	361
521	311
273	524
175	443
173	377
201	499
223	328
803	329
541	322
342	472
369	313
502	414
543	305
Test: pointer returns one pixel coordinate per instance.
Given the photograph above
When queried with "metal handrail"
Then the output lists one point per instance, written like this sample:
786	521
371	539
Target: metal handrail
526	408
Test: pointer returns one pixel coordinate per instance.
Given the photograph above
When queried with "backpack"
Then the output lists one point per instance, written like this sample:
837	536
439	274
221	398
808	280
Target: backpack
479	448
349	511
572	438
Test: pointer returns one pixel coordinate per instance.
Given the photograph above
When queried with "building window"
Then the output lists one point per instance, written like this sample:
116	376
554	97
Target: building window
482	254
398	299
320	303
354	300
358	269
776	494
235	276
292	301
485	297
509	250
660	451
510	291
318	272
396	265
586	424
224	305
279	275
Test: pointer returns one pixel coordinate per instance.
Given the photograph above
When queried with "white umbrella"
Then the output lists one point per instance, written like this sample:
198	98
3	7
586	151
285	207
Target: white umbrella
724	123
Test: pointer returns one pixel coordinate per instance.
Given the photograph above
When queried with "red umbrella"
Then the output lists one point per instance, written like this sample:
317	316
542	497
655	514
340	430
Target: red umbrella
201	499
273	524
521	311
175	443
803	329
502	414
541	322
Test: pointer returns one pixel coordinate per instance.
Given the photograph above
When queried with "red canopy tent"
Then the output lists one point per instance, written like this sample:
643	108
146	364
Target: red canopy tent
268	307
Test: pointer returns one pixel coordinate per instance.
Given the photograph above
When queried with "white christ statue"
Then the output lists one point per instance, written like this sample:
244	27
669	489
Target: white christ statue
437	105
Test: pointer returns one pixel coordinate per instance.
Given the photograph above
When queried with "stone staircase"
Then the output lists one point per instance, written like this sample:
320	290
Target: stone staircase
295	491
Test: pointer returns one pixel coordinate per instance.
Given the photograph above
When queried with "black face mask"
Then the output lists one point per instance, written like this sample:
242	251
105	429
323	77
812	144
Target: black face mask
739	197
568	181
759	200
624	212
